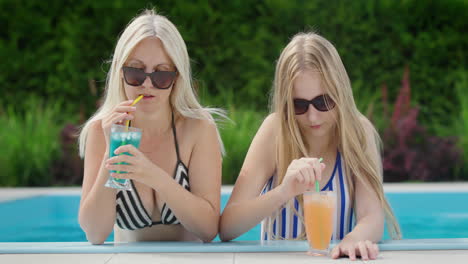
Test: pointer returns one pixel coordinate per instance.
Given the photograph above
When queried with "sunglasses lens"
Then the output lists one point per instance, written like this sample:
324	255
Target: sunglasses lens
300	106
163	79
134	76
323	103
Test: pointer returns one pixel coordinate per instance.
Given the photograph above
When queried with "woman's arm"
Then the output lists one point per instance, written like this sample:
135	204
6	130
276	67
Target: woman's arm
368	230
370	216
369	210
198	210
97	205
369	213
246	208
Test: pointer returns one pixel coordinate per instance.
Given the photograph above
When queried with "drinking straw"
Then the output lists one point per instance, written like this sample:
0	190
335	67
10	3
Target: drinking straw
133	103
124	142
317	186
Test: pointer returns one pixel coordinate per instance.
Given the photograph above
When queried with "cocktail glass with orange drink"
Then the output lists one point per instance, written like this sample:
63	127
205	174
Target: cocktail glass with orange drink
319	213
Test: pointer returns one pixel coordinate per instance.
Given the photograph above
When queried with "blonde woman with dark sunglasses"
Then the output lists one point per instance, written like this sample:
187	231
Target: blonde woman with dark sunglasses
313	116
176	172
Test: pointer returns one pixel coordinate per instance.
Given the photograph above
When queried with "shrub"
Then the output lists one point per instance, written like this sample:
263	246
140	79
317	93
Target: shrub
457	125
68	168
237	136
462	119
411	153
29	143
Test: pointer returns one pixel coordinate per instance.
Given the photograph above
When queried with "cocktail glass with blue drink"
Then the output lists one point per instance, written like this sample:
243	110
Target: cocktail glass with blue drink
120	136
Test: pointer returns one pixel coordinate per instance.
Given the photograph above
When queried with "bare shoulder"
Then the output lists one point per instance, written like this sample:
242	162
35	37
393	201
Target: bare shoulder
259	163
96	128
271	119
95	139
270	125
262	150
200	146
195	128
265	138
196	136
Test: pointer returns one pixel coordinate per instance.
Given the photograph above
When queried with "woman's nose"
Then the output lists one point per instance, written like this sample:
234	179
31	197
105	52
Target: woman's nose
312	114
147	82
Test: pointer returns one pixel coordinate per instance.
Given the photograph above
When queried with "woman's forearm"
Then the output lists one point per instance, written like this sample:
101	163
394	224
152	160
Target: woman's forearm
97	211
240	217
195	213
370	227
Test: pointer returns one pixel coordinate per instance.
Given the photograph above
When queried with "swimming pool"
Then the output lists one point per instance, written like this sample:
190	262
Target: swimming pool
53	218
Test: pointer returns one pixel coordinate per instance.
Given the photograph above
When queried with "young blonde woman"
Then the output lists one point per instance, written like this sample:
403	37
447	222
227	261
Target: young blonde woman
176	171
313	116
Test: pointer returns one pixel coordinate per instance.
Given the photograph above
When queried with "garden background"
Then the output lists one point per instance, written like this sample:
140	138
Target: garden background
407	61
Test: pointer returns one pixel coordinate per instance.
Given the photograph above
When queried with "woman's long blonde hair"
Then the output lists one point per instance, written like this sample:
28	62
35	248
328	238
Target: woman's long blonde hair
182	99
309	51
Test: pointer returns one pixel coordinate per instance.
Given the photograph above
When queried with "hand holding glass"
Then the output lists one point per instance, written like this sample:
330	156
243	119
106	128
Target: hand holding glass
120	136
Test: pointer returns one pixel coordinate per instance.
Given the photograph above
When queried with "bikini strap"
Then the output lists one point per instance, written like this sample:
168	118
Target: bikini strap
175	137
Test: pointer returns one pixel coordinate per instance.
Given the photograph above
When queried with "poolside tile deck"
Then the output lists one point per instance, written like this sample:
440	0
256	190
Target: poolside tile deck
399	257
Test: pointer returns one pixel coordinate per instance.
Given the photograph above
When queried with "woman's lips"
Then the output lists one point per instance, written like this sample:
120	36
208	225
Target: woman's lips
147	96
315	127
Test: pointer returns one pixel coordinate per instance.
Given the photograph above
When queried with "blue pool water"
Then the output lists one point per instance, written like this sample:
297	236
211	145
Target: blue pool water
54	218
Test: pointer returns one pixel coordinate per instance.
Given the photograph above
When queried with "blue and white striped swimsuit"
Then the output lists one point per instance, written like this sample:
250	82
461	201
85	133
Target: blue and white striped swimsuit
285	224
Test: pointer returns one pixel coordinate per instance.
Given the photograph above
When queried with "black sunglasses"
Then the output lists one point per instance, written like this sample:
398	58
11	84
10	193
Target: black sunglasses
322	103
159	79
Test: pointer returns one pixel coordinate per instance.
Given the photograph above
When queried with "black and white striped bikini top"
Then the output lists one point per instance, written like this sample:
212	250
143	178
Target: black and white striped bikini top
131	213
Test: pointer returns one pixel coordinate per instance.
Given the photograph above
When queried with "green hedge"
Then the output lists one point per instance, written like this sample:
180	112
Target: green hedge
55	49
30	143
59	50
237	136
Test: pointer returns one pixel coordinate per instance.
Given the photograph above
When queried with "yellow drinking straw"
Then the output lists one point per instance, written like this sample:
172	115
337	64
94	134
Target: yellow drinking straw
317	187
127	124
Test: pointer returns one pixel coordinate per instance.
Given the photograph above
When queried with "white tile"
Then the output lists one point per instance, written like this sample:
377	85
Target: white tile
426	187
54	258
14	193
428	256
284	258
390	257
179	258
400	257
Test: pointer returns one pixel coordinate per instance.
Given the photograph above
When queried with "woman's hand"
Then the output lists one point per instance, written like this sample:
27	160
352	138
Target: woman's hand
139	167
352	248
121	112
301	176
